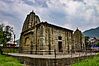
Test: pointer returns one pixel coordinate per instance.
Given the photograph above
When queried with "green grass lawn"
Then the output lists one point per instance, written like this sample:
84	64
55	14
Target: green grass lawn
88	62
9	61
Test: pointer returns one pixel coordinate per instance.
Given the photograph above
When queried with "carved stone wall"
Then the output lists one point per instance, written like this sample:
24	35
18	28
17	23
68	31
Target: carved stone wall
52	41
42	36
79	41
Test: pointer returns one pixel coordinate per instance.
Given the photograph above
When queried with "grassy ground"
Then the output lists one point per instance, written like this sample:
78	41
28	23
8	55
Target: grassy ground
88	62
8	61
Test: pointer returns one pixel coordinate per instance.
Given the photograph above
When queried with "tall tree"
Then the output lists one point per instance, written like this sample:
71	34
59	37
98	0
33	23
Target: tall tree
5	36
87	42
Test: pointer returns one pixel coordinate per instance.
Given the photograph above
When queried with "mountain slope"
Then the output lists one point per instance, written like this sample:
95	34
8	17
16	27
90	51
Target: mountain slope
92	32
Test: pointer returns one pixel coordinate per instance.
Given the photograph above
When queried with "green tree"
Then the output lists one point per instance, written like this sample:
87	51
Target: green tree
5	36
97	44
87	43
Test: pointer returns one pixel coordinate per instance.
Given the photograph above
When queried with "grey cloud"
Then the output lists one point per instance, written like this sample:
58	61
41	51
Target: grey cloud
40	3
82	1
28	2
8	1
7	14
55	13
79	0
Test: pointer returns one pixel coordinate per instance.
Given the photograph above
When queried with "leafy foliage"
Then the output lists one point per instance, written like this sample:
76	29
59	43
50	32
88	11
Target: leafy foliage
5	34
97	44
87	44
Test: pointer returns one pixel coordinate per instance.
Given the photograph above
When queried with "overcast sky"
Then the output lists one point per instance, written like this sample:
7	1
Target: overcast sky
70	14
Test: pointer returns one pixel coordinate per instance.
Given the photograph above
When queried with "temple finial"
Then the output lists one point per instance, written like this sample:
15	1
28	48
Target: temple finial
32	12
77	27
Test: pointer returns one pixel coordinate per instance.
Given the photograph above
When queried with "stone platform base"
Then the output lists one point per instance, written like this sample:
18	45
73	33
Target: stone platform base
50	60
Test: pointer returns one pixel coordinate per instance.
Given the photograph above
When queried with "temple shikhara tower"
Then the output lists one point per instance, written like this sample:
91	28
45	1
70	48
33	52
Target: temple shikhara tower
79	41
43	38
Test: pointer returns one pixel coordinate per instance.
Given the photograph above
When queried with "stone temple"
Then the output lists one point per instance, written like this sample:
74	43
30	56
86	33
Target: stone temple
43	38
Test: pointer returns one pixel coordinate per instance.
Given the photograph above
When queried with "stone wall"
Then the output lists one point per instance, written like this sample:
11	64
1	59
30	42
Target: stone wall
79	41
51	39
42	36
51	62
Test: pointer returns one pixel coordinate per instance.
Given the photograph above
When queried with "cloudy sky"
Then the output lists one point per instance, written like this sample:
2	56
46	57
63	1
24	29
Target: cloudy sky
70	14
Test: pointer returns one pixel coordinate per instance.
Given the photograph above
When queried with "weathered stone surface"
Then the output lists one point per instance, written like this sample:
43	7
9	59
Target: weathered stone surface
50	60
43	38
79	41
